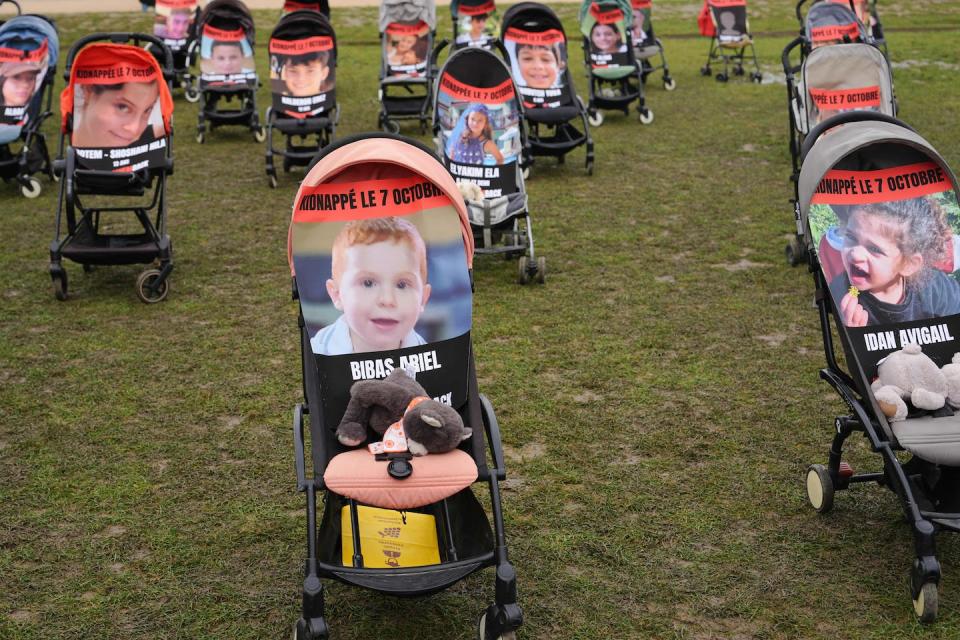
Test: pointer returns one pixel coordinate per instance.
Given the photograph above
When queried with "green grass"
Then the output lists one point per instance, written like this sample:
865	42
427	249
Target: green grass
659	397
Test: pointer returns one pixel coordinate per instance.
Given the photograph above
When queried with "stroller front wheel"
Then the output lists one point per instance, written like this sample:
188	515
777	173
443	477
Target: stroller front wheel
819	488
646	116
191	94
926	603
595	119
481	631
669	84
31	189
147	289
259	134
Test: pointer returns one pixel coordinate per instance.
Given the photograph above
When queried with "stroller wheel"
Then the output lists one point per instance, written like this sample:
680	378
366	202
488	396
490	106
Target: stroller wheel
819	488
926	603
738	71
757	77
144	283
31	189
60	285
273	181
390	126
541	270
259	134
705	71
481	626
722	77
87	268
794	251
191	94
669	83
595	119
646	116
201	138
526	173
523	270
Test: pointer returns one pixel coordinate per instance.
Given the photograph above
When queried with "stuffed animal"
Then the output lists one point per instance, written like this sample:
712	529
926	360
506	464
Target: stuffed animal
429	426
470	191
909	374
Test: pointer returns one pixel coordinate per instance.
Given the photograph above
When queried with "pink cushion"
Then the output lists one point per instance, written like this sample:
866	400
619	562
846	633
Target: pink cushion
357	474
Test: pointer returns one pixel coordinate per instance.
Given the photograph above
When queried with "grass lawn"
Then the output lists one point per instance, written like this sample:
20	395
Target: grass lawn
659	397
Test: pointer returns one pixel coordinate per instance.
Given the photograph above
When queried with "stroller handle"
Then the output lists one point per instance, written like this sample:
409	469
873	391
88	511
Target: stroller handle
847	118
138	40
800	14
785	56
14	3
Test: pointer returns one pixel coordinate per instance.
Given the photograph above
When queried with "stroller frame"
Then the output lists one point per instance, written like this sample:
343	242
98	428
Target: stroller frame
245	115
719	52
151	246
322	128
502	617
904	479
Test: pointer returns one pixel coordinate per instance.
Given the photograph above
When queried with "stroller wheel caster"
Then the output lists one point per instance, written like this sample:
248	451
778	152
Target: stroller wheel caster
646	116
595	119
87	268
259	134
201	138
526	173
523	270
391	126
273	181
819	488
926	603
31	189
669	84
738	71
705	71
794	251
722	77
60	285
191	94
590	167
541	270
481	631
145	289
756	77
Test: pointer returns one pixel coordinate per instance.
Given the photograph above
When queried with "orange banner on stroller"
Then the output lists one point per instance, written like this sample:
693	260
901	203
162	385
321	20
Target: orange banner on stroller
726	3
885	185
551	36
19	55
400	29
177	4
225	35
297	47
839	99
611	16
641	4
503	92
332	202
476	10
835	32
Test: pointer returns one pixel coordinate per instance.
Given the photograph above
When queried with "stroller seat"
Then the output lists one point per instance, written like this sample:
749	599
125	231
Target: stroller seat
933	439
494	211
359	475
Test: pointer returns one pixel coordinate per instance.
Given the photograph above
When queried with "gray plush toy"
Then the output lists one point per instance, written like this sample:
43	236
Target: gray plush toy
430	426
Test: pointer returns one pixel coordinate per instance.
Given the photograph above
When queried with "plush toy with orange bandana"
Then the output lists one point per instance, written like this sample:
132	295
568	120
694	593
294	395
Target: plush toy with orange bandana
398	409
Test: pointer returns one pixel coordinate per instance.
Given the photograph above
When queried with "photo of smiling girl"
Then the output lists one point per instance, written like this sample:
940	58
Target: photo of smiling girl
472	138
116	115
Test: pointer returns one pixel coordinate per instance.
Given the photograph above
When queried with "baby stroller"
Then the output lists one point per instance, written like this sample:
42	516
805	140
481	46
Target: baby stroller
727	26
614	77
393	523
864	13
28	61
323	6
175	24
831	79
111	151
536	46
868	181
646	45
228	70
479	130
303	64
407	29
474	23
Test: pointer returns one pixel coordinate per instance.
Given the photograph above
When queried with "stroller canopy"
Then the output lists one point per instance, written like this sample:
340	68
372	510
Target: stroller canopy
478	113
830	22
227	39
229	15
875	181
322	6
408	12
843	77
303	59
604	12
537	47
29	48
113	139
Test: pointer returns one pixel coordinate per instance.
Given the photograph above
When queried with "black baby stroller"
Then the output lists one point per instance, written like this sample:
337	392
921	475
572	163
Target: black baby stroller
407	30
536	46
175	24
228	70
475	23
28	61
646	45
879	211
303	65
729	32
478	125
115	141
384	206
864	27
614	76
831	79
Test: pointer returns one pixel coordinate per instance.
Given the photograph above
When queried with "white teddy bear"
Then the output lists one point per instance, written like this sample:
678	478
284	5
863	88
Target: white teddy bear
910	374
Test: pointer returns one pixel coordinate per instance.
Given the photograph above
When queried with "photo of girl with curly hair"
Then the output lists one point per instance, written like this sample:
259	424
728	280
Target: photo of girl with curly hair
472	138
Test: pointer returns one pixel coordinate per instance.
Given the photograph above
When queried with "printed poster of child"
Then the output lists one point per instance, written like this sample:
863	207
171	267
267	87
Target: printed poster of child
173	22
731	19
640	33
21	77
302	75
383	281
538	63
477	24
608	38
226	57
480	134
405	48
118	126
886	240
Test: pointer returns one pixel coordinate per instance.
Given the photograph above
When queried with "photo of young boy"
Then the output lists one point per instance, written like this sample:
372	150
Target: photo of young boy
173	20
379	283
221	57
476	30
301	76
